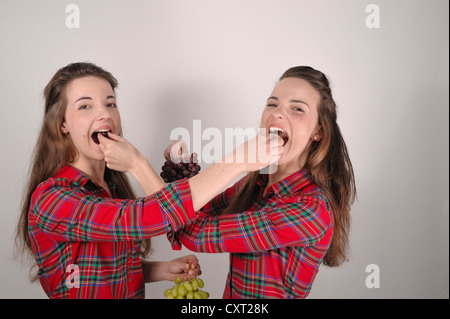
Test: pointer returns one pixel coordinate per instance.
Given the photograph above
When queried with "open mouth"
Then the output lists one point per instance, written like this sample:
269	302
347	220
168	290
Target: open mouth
95	135
281	133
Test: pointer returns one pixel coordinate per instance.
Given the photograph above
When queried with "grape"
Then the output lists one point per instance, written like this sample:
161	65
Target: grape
181	291
197	295
168	292
194	284
187	168
203	294
174	291
187	287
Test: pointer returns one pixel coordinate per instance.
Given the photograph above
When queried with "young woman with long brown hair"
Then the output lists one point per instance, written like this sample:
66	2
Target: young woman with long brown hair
280	227
80	217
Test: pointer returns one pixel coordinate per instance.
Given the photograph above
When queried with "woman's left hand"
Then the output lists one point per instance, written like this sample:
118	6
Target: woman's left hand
177	151
184	266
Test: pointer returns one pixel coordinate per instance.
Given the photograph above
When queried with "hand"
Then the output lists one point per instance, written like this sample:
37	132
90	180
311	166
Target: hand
184	266
120	155
257	153
176	152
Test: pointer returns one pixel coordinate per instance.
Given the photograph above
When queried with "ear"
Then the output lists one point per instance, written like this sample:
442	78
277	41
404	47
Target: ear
64	128
317	134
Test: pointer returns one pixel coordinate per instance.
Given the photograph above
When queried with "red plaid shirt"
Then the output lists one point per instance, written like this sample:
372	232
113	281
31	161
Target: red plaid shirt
276	247
75	225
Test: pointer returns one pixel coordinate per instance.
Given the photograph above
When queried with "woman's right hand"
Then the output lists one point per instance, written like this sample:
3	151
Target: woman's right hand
122	156
119	154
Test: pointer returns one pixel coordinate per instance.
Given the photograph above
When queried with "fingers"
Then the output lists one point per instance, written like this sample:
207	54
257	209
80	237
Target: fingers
118	153
192	267
177	151
114	137
108	140
106	143
172	150
168	149
276	145
270	148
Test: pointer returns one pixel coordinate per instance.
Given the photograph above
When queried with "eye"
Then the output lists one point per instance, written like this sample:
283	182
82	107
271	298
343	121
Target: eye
83	107
298	109
112	105
271	105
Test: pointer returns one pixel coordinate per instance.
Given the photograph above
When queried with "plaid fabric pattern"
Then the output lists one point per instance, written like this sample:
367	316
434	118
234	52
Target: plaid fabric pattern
74	222
276	247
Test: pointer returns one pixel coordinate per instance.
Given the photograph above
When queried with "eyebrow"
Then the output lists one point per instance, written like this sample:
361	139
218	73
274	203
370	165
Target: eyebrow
89	98
291	101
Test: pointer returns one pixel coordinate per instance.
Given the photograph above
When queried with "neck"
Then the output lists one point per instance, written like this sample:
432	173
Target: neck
94	170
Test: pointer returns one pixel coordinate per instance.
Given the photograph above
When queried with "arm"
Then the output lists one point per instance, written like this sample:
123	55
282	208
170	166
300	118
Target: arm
68	213
122	156
277	225
219	203
65	212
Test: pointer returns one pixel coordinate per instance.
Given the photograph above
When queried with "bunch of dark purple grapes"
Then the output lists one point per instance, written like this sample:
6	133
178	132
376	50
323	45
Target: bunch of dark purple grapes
187	167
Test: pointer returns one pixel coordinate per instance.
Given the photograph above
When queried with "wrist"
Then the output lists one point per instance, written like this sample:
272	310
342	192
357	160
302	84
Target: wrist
139	166
153	270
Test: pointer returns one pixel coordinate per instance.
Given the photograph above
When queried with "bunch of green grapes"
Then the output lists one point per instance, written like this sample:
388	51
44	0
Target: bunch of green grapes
187	288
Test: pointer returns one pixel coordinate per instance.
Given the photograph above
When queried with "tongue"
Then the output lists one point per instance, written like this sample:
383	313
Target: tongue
284	136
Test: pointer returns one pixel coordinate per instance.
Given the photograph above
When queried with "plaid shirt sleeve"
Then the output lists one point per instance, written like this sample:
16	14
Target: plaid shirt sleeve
293	221
63	211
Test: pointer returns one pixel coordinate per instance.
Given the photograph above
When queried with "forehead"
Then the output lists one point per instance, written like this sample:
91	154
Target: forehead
89	86
296	88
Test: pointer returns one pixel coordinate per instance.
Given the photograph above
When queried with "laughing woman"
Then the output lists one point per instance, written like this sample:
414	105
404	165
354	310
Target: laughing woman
280	228
80	213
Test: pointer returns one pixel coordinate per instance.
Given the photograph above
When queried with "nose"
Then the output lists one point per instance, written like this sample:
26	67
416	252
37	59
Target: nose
279	113
103	113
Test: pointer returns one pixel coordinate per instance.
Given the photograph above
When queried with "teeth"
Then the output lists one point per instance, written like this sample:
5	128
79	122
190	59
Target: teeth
101	131
276	130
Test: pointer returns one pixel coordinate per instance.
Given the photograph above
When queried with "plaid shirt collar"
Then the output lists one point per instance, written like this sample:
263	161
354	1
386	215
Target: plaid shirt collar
288	186
80	179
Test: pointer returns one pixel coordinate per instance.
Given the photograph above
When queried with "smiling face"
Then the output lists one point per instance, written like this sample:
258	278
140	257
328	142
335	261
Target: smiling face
91	107
292	112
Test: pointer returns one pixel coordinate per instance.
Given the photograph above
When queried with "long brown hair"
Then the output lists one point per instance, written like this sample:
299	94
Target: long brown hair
54	149
328	165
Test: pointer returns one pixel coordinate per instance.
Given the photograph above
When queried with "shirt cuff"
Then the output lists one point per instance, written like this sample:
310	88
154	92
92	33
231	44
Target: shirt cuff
176	202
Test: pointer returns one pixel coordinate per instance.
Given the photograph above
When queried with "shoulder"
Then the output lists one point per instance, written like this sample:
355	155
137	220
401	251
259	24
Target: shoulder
67	178
309	203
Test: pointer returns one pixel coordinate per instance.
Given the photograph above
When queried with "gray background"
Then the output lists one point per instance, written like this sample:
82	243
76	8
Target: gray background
218	61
